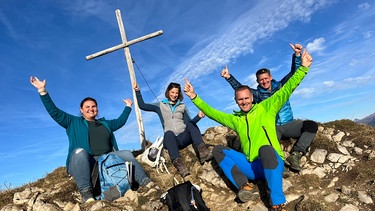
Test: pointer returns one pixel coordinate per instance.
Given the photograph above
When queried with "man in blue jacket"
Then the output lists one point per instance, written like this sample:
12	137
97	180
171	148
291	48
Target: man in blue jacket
286	126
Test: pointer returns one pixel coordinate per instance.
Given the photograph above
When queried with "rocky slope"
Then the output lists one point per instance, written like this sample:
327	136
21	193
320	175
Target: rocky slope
338	174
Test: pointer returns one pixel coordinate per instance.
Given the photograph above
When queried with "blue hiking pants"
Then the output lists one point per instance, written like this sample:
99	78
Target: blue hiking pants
239	170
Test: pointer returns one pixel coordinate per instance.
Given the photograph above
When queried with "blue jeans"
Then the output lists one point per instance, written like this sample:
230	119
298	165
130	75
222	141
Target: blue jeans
81	165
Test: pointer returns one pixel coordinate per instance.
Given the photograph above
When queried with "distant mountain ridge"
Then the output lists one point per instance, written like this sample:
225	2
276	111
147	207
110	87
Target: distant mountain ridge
369	120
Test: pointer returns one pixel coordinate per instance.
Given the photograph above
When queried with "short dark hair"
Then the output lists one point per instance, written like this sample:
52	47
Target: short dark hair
171	86
241	88
261	71
88	99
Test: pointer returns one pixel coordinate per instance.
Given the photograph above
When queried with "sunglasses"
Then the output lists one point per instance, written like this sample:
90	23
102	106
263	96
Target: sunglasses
261	71
174	84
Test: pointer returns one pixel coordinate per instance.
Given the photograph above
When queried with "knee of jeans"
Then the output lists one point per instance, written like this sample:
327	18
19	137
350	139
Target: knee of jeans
268	157
124	152
79	152
168	136
310	126
126	155
168	133
217	152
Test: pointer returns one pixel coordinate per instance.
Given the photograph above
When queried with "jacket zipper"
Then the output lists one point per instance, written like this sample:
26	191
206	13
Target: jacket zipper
265	131
247	133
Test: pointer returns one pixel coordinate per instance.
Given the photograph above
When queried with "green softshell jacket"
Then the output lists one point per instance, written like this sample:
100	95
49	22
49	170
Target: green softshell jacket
253	127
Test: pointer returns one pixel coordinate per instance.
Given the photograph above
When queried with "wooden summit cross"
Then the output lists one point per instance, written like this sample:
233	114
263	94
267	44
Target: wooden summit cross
125	45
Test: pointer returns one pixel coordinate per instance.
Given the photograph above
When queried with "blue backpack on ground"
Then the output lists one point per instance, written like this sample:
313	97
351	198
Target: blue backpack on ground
113	176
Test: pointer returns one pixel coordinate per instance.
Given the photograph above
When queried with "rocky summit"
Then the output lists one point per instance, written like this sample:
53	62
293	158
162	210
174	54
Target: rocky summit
338	174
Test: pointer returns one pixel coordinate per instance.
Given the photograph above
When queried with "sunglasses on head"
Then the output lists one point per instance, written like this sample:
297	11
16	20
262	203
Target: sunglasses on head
261	71
174	84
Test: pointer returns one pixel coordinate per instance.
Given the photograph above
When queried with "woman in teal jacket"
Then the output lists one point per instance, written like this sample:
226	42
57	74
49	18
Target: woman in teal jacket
88	139
262	156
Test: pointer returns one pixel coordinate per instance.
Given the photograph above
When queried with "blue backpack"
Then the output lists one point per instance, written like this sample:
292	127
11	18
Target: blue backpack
113	176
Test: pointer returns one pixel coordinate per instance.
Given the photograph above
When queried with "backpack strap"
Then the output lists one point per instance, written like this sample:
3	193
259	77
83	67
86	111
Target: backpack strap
94	174
95	179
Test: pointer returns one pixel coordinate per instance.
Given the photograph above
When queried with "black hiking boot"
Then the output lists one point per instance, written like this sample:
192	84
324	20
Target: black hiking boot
204	153
87	195
180	167
247	193
293	161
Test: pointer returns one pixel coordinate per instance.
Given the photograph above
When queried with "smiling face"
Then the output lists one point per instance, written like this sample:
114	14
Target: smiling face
173	94
89	110
264	81
244	99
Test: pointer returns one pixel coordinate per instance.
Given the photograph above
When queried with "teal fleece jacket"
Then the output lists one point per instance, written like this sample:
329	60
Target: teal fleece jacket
254	127
77	128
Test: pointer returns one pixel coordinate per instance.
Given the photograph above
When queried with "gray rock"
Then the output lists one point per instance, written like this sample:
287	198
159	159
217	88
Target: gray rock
364	197
319	155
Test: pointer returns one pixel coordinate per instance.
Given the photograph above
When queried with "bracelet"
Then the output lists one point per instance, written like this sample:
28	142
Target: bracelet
42	90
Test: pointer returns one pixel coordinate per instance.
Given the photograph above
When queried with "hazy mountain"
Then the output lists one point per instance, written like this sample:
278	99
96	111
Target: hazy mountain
369	120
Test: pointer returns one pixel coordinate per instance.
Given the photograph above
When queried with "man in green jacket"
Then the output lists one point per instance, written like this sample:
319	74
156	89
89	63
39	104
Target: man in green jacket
262	156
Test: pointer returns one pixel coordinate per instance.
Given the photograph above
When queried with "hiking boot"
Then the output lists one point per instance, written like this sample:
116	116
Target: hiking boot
204	153
87	195
247	192
293	161
180	167
280	207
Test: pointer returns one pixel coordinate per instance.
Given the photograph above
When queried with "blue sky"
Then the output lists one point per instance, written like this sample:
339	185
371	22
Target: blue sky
50	40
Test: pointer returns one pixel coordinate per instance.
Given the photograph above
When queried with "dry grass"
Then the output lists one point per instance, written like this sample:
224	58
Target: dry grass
56	179
323	142
6	196
361	135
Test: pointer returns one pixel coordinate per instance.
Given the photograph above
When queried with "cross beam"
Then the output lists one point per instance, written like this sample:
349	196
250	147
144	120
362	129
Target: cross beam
125	45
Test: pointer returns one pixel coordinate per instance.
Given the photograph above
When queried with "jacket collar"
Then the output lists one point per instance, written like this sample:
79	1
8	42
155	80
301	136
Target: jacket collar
166	101
241	113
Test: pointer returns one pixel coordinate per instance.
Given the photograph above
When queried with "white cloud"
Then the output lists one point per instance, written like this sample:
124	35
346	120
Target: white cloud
345	84
316	46
357	80
83	8
304	92
329	83
251	81
364	6
367	34
243	33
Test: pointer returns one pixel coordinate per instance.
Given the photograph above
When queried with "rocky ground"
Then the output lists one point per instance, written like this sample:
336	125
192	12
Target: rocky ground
338	174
